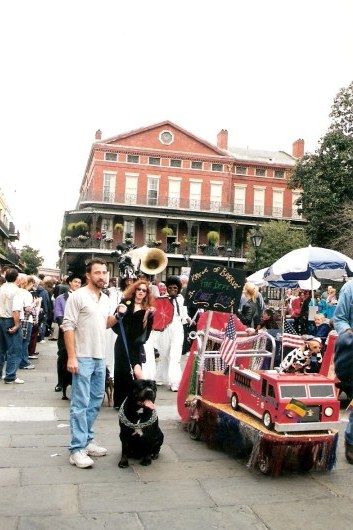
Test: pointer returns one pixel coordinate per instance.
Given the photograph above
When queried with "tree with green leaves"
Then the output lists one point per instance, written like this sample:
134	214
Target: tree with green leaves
30	259
279	238
326	177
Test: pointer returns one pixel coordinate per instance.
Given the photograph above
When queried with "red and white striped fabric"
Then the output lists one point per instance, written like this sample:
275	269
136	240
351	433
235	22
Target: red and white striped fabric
290	338
228	347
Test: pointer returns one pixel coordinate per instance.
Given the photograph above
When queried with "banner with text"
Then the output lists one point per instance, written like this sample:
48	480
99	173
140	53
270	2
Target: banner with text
214	287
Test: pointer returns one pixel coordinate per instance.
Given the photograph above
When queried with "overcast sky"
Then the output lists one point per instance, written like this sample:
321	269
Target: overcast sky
266	70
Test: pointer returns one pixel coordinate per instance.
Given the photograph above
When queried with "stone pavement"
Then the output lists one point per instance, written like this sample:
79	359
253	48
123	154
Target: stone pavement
189	487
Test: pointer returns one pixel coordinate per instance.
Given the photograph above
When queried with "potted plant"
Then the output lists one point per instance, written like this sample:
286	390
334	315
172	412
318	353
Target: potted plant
213	237
118	227
202	246
167	231
221	247
108	239
67	239
157	243
128	240
176	244
82	237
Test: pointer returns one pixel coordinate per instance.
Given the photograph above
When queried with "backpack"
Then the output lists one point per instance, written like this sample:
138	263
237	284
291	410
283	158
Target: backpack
344	363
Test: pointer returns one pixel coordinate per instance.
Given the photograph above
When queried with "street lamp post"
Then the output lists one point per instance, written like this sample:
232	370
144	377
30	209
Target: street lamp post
186	255
256	240
229	252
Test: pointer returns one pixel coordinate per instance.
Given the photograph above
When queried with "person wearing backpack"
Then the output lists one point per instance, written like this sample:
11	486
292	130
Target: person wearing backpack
343	323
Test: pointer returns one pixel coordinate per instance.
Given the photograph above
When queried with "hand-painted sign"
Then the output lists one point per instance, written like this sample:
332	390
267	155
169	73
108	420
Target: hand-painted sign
214	287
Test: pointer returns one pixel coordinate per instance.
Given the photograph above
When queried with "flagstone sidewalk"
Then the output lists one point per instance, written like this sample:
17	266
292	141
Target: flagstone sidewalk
189	487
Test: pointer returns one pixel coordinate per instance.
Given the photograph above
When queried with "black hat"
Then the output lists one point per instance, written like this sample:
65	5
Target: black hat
174	280
344	362
72	276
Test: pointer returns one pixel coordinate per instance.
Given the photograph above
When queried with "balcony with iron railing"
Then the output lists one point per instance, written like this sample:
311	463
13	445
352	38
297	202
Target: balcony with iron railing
71	244
185	204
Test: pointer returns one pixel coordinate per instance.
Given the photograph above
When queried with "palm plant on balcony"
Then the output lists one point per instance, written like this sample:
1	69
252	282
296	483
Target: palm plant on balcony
167	231
118	227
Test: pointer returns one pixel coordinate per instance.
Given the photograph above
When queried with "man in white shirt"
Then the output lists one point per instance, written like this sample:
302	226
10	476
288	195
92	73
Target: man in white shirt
85	321
11	303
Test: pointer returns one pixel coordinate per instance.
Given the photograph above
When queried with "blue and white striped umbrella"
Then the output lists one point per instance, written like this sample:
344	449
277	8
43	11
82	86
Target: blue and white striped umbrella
305	263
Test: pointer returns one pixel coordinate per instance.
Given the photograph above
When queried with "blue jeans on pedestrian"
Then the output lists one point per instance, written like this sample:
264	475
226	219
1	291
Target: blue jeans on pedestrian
25	343
349	430
87	392
10	348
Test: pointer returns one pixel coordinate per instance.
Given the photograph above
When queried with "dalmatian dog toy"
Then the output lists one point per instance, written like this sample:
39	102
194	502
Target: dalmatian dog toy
305	359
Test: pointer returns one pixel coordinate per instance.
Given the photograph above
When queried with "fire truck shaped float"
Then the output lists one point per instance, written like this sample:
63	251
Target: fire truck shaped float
279	420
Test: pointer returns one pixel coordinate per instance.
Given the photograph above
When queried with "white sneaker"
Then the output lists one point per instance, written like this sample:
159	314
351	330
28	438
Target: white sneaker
174	388
17	381
81	459
29	367
93	449
42	341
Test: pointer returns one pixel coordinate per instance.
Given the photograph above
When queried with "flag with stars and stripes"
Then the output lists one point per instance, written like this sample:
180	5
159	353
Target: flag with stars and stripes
228	347
290	337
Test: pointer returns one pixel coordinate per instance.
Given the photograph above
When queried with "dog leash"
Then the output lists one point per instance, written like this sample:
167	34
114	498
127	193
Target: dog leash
122	331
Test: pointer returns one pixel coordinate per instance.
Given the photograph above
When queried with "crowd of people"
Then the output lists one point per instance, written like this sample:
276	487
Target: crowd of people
114	325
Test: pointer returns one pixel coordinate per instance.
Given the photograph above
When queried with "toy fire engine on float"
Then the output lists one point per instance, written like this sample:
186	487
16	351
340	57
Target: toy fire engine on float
268	394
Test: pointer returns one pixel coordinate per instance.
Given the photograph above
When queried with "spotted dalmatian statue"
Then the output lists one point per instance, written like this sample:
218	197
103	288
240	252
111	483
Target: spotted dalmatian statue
306	358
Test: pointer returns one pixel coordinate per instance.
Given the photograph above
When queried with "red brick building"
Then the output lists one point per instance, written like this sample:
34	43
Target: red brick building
139	183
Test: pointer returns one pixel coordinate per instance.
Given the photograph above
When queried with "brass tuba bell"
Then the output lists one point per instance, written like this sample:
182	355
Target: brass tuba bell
154	261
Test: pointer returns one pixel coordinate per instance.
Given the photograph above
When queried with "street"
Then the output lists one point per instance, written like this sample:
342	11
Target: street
188	487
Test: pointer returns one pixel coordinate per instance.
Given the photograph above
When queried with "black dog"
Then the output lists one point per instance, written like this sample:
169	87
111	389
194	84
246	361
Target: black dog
140	434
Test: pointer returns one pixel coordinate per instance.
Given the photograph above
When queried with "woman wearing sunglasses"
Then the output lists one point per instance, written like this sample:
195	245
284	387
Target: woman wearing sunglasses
134	326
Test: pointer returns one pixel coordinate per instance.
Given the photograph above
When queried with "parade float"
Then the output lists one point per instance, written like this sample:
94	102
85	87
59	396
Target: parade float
276	421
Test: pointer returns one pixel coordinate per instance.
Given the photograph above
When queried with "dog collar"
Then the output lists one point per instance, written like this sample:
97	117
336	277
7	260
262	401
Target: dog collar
139	425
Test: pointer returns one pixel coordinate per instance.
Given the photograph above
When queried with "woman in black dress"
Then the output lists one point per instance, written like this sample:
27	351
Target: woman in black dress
135	316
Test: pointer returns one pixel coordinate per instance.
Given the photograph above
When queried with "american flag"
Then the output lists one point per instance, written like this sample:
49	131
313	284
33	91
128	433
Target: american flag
228	347
290	337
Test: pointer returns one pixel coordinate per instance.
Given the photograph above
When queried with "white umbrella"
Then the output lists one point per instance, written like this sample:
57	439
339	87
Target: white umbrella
258	279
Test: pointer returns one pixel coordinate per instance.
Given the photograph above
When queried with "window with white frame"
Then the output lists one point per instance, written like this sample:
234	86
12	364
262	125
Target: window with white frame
107	227
259	201
260	172
152	191
129	229
195	195
131	182
295	196
195	164
217	167
174	193
216	196
113	157
151	230
175	162
154	161
109	187
277	203
239	199
241	170
133	159
279	173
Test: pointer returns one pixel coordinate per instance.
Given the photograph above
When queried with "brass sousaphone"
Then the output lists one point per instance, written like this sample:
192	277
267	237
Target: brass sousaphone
153	261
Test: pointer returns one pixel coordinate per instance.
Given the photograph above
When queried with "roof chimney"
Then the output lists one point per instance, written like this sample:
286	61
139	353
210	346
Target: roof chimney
222	139
298	148
98	134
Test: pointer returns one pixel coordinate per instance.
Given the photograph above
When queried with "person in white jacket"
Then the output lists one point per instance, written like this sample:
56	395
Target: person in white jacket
170	340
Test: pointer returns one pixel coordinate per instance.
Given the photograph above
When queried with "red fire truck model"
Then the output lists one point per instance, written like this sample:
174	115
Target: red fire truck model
285	402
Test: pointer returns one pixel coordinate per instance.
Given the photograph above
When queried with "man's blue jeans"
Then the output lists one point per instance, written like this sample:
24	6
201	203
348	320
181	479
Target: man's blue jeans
25	343
87	394
10	348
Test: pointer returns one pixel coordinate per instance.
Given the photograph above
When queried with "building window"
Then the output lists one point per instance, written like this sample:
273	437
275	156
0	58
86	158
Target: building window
241	170
151	230
129	229
216	197
154	161
259	201
277	203
113	157
108	187
175	162
196	165
174	193
279	173
260	172
295	196
131	189
166	137
133	159
152	191
239	199
217	167
195	196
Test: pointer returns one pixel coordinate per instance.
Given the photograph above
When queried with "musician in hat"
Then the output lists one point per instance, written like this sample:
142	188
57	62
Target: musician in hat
170	340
